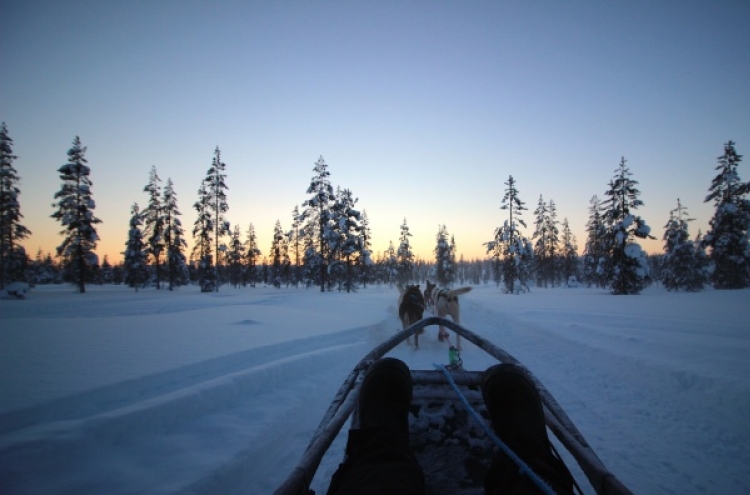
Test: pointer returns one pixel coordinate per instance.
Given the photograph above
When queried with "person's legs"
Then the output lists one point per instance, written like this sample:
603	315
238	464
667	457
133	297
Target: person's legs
378	456
517	416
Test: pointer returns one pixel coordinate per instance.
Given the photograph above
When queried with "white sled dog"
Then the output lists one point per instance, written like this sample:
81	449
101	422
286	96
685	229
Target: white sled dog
445	302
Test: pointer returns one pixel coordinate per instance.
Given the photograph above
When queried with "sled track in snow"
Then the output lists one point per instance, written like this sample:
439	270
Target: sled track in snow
164	417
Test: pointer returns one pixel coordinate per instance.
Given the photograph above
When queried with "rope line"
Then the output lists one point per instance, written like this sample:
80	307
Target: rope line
522	466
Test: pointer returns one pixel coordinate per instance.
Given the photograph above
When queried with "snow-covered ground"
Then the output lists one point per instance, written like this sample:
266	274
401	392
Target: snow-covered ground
157	392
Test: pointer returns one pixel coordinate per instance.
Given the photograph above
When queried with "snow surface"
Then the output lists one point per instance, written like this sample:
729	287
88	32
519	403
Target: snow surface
157	392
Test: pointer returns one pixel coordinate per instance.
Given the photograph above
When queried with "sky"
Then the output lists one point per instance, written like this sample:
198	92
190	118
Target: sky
422	109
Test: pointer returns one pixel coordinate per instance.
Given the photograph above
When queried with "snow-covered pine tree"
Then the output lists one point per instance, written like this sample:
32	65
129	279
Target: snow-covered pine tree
728	238
542	271
391	265
202	233
445	261
136	251
365	262
235	254
75	212
252	256
279	257
405	270
294	237
680	269
515	249
595	254
348	237
569	264
153	224
318	208
174	238
217	200
12	254
553	243
628	271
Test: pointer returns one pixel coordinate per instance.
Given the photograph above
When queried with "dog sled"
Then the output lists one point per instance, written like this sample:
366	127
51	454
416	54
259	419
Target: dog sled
453	449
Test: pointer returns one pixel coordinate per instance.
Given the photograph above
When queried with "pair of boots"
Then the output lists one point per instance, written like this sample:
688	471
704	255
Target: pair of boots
379	459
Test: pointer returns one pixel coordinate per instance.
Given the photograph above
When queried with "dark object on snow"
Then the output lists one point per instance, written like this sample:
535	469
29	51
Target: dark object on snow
17	290
452	449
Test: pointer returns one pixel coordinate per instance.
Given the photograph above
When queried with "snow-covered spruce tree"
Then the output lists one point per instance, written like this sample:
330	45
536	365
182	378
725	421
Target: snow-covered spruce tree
279	269
136	251
12	255
445	260
680	268
174	238
627	271
346	238
153	224
405	257
318	209
596	252
569	261
553	243
391	265
516	251
295	241
235	255
75	212
217	201
365	262
202	234
543	258
728	239
252	256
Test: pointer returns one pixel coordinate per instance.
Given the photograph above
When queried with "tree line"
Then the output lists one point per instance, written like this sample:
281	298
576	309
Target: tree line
329	244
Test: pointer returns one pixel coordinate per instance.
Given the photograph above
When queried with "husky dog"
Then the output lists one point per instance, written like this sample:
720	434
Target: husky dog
428	295
445	302
411	308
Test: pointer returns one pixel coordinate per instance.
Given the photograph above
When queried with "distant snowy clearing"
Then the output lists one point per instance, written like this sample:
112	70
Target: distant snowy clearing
182	392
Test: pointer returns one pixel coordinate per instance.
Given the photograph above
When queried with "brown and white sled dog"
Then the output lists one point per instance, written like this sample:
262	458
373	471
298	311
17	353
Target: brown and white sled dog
444	303
410	308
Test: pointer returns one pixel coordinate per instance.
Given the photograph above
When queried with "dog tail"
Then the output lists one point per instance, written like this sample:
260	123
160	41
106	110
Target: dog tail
458	292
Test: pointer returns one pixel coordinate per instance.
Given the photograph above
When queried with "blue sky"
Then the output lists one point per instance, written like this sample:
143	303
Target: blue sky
422	109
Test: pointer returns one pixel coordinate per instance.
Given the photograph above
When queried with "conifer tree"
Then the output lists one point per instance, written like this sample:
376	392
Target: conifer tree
252	255
295	245
279	257
174	238
218	205
680	269
569	265
405	257
136	251
515	249
628	271
445	260
542	259
202	233
235	256
728	238
391	264
595	254
365	262
153	221
12	255
318	210
346	237
75	212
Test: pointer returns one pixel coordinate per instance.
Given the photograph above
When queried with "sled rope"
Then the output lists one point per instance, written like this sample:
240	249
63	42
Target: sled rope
522	466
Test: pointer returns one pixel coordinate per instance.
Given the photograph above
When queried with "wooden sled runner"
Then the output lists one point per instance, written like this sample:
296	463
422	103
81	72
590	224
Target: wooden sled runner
451	447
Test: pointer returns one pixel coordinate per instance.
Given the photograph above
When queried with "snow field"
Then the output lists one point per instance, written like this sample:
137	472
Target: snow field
183	392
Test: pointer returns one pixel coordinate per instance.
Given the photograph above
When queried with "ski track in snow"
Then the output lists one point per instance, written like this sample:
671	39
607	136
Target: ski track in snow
663	402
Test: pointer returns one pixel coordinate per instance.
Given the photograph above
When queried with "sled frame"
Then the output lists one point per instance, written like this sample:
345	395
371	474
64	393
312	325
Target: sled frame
344	404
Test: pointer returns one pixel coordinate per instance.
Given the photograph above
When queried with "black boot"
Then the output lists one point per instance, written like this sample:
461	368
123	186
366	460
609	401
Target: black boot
379	459
517	416
385	398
